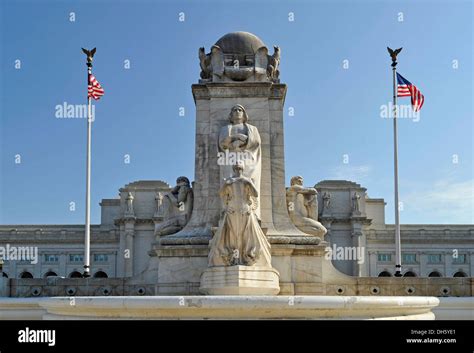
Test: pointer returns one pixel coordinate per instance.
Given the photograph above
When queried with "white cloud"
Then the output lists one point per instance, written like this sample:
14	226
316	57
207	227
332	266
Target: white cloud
445	200
356	173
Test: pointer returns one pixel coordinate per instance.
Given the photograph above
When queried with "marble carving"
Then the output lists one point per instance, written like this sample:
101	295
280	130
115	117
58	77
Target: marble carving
356	203
326	202
239	240
129	205
176	207
303	208
240	142
219	65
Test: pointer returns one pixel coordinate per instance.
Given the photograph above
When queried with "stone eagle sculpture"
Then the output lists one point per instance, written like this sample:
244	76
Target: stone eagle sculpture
273	64
205	63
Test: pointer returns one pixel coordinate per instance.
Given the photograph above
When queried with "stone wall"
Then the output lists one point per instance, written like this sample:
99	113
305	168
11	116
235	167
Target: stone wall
362	286
70	287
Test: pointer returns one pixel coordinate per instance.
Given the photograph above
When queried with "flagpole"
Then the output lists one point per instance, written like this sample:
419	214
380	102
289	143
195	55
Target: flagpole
398	255
87	238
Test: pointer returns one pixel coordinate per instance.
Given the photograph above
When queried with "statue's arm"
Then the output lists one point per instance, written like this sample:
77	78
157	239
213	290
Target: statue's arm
173	199
225	143
306	191
225	140
253	139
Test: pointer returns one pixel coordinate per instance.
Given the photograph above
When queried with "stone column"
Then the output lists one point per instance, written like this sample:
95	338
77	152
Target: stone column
364	269
62	265
447	262
38	269
357	242
356	266
129	229
12	271
120	256
423	260
372	265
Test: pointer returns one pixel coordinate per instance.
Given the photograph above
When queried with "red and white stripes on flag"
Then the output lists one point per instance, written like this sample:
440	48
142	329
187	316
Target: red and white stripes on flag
94	89
406	89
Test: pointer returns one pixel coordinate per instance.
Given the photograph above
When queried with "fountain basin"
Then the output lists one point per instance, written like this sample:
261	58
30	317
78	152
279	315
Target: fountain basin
240	307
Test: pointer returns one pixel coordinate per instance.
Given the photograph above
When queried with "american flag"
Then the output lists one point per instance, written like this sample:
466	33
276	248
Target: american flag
94	89
407	89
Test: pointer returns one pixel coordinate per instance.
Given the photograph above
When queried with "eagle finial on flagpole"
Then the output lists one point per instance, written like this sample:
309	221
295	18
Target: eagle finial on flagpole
393	55
90	55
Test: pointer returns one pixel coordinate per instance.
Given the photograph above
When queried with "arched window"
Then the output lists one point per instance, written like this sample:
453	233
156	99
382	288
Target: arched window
459	274
100	274
435	274
385	274
409	274
50	274
26	274
75	274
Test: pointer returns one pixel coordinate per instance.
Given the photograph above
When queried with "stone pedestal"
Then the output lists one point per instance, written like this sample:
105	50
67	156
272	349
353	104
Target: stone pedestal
299	269
240	280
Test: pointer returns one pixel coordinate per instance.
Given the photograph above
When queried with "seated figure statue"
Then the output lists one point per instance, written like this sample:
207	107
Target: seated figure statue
177	205
303	208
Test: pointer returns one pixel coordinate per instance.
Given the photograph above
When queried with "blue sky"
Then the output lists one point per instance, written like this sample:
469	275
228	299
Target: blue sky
337	110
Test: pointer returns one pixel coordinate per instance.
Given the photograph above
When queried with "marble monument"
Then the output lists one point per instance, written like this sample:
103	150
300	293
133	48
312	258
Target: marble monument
236	234
242	212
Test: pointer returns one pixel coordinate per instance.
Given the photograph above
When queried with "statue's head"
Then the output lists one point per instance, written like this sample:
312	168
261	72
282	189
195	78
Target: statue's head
238	114
238	168
297	180
182	180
